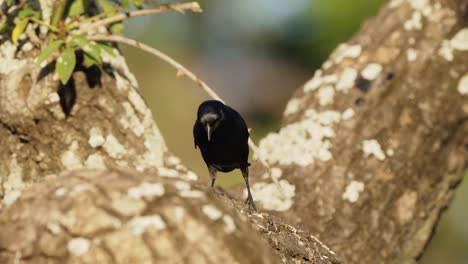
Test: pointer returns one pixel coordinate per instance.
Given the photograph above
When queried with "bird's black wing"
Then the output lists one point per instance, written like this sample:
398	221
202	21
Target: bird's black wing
240	125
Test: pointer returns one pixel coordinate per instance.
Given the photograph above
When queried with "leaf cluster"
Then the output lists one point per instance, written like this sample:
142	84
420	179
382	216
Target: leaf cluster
68	16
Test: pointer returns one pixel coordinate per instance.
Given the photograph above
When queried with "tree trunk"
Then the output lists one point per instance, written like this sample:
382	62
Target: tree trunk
374	146
370	153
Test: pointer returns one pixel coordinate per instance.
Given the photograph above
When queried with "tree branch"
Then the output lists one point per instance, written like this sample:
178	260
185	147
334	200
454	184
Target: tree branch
126	217
179	7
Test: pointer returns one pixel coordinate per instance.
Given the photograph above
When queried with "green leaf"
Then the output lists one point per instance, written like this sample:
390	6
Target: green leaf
66	64
3	26
19	28
89	48
138	3
53	46
106	48
126	4
27	12
89	61
77	7
9	2
107	7
79	41
117	28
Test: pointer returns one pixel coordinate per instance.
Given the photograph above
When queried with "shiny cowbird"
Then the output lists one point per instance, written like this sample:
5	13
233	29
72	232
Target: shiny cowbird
222	136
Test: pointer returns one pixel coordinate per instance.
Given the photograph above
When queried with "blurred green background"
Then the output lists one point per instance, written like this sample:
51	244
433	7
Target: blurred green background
255	53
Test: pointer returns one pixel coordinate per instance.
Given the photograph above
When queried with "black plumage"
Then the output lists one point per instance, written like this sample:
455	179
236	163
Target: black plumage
222	136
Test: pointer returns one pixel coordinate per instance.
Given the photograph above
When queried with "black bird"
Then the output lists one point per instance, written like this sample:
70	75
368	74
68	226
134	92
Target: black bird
222	136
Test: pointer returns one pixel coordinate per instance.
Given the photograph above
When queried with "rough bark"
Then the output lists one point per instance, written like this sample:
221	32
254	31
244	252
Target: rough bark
126	217
109	125
370	153
84	217
374	146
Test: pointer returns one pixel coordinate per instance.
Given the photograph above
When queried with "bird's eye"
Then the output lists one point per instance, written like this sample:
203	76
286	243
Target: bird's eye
209	118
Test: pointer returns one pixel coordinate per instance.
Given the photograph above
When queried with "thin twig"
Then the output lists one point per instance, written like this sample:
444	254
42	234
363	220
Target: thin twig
181	70
179	7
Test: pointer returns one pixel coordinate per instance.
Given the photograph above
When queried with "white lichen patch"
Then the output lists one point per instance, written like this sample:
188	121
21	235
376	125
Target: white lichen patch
405	206
127	206
347	80
414	23
140	224
154	143
229	225
330	79
427	11
327	64
70	159
191	194
146	190
118	62
276	173
53	98
14	179
347	114
54	228
212	212
81	188
292	106
460	40
418	4
78	246
371	71
60	192
372	147
302	142
346	51
446	50
11	197
95	162
191	176
179	213
390	152
67	221
96	139
313	83
182	186
131	121
352	191
46	11
412	54
319	80
166	172
7	57
137	101
173	161
325	95
113	147
274	196
463	85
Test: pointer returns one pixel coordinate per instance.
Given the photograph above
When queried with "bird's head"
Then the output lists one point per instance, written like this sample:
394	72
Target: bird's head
210	115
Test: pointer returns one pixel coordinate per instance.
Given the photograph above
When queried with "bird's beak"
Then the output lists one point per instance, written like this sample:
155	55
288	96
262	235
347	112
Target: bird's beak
208	131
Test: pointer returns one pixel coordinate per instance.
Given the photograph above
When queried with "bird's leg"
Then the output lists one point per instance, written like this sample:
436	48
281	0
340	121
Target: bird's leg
212	171
249	201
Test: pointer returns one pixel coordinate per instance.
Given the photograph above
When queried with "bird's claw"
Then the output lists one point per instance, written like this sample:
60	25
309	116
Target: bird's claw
251	204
